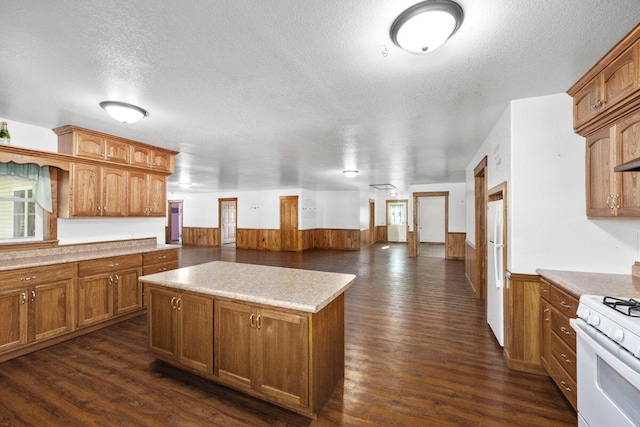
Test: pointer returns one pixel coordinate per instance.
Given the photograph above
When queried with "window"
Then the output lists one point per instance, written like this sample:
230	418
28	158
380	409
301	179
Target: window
396	213
20	215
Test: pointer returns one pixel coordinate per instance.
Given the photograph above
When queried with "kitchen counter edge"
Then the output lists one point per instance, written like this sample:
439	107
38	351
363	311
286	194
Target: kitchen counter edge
579	283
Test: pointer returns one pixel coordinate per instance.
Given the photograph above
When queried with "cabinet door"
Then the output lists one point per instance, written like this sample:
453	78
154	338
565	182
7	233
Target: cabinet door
588	102
140	156
162	323
128	291
95	299
600	182
138	194
234	324
114	192
117	151
89	146
195	332
283	356
52	310
627	149
85	187
161	161
621	78
13	319
157	195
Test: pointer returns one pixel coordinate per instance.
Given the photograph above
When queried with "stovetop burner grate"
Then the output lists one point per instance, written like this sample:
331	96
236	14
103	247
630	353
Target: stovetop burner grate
628	307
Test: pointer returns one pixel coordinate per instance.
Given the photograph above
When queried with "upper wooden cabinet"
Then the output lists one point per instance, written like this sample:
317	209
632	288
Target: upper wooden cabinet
147	194
610	89
99	146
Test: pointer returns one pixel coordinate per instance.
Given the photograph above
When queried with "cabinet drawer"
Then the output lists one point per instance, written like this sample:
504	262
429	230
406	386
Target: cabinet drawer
545	289
159	257
105	265
565	383
25	277
159	268
560	325
564	302
565	356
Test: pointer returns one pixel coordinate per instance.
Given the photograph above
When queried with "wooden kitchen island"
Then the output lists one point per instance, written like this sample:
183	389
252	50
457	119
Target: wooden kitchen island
271	332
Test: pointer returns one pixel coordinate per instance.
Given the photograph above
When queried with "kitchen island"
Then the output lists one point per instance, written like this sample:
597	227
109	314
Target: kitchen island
271	332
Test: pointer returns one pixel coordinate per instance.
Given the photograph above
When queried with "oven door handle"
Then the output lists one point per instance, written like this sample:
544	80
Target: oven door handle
606	348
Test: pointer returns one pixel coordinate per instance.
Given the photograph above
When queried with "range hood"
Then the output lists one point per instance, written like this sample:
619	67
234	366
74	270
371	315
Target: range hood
630	166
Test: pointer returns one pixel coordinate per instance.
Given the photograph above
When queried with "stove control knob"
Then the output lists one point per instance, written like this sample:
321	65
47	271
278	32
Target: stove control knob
618	335
584	312
593	320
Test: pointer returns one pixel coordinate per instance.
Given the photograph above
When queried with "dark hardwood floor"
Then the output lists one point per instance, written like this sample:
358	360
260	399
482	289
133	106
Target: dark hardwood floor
418	353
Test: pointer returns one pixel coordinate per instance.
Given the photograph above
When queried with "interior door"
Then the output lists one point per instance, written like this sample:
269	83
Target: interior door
289	222
396	220
228	222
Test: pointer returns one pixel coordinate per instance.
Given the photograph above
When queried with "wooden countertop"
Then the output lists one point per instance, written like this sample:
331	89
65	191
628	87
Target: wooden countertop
580	283
296	289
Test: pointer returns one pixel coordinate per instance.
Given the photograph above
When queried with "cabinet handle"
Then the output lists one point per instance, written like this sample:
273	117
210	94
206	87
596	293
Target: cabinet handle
162	257
617	204
113	265
565	305
258	323
173	302
544	290
597	105
566	387
111	280
26	279
251	318
104	208
564	358
33	296
563	329
117	279
546	310
179	304
24	298
98	208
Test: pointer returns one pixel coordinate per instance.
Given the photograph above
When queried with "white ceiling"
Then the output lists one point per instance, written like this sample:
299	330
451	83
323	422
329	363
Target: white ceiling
270	94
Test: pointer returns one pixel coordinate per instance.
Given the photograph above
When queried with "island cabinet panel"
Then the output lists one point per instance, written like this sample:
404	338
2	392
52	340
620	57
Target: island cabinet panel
181	328
35	305
263	349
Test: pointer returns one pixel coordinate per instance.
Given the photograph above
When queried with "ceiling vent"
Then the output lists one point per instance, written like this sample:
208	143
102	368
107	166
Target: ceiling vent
384	186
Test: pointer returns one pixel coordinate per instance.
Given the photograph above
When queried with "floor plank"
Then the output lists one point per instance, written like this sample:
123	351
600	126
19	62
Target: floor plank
418	352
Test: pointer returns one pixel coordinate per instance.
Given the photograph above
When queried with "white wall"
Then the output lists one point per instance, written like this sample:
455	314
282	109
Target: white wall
340	209
456	203
431	218
83	230
545	170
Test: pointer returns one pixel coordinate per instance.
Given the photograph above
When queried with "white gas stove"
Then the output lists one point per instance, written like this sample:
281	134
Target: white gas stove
608	356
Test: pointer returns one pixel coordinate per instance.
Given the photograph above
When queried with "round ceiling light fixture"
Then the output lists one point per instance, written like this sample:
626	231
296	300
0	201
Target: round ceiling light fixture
350	173
123	112
424	27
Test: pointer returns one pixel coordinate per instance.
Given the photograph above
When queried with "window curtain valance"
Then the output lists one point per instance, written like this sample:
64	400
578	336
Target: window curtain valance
38	174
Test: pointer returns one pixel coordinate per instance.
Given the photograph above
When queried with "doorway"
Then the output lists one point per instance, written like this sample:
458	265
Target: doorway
289	223
397	220
431	223
174	223
228	209
480	197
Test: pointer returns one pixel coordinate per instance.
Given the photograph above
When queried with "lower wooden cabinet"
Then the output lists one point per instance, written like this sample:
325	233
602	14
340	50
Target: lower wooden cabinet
181	328
558	350
35	305
263	349
108	287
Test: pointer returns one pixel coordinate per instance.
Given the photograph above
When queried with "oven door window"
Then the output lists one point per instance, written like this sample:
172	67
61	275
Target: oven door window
621	392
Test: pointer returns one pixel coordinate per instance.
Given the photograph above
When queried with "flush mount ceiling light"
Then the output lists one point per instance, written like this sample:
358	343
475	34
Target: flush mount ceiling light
425	26
123	112
350	173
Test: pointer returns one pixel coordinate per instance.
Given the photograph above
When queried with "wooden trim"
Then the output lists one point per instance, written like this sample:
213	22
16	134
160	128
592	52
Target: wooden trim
479	169
480	205
632	37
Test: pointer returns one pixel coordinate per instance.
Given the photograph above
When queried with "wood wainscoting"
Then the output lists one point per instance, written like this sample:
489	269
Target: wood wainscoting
319	238
455	245
201	236
342	239
258	238
381	233
523	336
470	264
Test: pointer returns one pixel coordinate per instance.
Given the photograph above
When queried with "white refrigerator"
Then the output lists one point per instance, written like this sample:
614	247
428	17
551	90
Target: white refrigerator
495	270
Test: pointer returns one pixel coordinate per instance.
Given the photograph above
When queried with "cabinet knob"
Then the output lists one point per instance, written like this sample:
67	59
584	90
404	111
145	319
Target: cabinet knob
33	296
24	298
597	105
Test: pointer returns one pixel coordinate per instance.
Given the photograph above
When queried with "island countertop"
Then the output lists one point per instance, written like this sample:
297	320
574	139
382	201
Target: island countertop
296	289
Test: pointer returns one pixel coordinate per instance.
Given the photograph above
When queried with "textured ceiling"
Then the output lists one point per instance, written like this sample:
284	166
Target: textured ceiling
288	93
